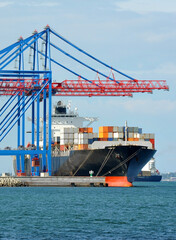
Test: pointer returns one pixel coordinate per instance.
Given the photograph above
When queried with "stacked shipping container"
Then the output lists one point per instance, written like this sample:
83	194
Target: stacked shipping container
82	138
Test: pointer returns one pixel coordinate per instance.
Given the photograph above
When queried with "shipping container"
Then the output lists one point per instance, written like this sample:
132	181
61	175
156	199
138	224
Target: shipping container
64	136
70	135
82	146
136	129
95	135
110	139
110	129
121	135
130	135
90	135
121	129
62	147
115	129
83	141
76	135
133	139
64	141
103	139
151	136
146	135
90	130
103	129
83	136
76	141
153	143
110	135
103	134
116	135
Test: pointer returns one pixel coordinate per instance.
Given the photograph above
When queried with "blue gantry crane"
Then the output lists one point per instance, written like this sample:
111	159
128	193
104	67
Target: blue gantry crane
29	85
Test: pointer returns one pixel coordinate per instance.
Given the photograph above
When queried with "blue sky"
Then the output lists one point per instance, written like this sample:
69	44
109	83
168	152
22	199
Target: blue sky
135	36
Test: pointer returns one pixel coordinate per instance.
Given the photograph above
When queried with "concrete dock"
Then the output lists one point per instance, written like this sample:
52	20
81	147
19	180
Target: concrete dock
63	181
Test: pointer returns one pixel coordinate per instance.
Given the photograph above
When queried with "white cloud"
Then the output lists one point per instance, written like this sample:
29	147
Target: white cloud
5	4
147	6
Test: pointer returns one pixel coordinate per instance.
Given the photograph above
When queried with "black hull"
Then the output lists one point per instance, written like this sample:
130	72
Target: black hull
116	161
111	161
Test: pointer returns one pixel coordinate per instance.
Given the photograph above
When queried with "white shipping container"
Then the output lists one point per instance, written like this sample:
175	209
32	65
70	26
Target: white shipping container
83	141
116	135
76	141
136	135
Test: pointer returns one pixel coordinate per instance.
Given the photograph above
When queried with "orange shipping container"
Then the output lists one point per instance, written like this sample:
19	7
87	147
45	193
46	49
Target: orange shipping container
133	139
62	147
82	146
86	130
103	129
103	134
110	129
90	130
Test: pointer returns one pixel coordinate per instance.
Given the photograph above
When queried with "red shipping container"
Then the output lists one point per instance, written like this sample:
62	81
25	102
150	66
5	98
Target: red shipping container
153	142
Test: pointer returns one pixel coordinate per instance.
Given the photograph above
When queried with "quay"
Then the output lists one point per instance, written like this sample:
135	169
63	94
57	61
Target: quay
53	181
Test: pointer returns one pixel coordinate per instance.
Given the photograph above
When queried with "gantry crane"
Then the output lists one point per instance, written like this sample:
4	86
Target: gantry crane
28	84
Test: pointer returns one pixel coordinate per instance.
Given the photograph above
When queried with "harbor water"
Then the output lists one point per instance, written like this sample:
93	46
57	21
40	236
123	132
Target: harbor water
145	211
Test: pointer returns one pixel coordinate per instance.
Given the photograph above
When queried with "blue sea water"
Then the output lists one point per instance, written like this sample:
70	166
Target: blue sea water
145	211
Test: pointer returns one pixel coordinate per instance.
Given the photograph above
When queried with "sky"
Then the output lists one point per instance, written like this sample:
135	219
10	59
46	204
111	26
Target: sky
136	37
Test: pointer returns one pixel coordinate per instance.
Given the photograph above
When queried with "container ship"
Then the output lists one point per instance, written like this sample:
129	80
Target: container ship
149	173
117	153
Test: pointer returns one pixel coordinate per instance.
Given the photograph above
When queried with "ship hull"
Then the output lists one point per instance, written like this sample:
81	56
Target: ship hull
154	178
115	161
121	163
